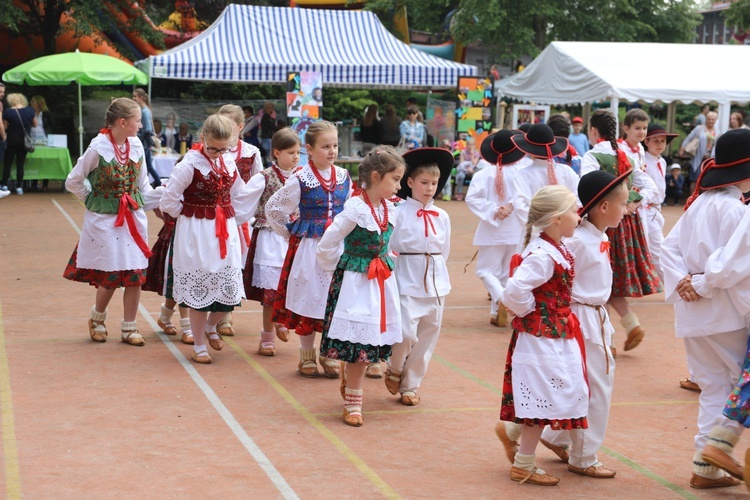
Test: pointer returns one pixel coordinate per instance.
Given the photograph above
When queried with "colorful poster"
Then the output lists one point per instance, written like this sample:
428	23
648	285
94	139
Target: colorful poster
304	100
441	120
474	113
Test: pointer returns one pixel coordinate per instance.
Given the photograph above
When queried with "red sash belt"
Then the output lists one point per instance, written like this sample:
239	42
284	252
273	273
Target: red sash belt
221	230
124	213
379	270
575	327
246	232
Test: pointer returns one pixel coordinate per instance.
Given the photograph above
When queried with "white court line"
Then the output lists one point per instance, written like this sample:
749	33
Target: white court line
273	474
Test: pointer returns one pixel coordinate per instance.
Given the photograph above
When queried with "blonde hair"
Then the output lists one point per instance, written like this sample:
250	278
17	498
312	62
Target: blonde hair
218	127
318	128
284	138
547	204
41	102
121	107
233	112
425	168
144	97
16	99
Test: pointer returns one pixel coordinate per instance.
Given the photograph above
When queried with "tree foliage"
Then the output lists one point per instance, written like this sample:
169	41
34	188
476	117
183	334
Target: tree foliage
738	14
511	28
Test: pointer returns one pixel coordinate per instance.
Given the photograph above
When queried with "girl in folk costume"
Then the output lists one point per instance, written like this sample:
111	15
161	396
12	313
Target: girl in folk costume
203	193
318	191
546	357
655	143
421	238
249	162
491	197
542	146
113	249
704	259
159	279
634	274
363	318
267	248
604	198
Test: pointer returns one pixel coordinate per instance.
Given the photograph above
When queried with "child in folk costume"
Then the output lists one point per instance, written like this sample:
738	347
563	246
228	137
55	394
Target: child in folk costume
318	191
267	248
113	249
500	231
655	143
362	318
546	357
634	274
159	279
604	198
204	193
249	162
421	238
704	259
542	146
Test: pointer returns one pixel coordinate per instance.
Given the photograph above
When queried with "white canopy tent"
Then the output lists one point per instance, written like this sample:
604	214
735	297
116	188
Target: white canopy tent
252	44
568	73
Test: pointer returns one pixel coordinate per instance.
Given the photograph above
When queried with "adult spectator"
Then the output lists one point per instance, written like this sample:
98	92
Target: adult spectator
390	127
170	129
371	130
183	137
736	120
412	101
700	118
41	131
494	73
145	134
252	126
19	119
267	128
707	135
413	132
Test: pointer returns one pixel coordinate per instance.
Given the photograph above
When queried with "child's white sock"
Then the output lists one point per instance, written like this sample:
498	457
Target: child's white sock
704	469
307	341
185	325
513	431
166	314
353	400
629	321
723	439
526	462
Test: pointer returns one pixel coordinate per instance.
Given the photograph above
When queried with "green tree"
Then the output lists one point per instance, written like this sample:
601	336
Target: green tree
738	15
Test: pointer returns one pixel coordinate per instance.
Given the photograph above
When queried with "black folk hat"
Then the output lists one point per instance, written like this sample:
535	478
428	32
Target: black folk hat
655	130
732	162
541	141
594	186
420	156
498	146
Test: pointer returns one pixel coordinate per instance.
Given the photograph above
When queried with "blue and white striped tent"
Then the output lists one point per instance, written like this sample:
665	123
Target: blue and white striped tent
261	44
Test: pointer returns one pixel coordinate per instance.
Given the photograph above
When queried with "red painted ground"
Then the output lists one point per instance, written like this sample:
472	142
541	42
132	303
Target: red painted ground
87	420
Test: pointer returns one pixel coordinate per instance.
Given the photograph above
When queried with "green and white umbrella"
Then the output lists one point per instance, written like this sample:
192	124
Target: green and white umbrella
83	68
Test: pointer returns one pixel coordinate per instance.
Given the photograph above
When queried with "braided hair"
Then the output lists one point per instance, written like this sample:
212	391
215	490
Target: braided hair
606	124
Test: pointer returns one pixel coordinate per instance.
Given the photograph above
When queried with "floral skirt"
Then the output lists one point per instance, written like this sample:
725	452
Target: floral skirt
301	325
267	298
104	279
350	352
633	274
738	403
508	407
161	258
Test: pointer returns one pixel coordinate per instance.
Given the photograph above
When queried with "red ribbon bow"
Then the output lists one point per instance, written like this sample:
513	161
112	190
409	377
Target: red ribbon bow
125	214
427	220
379	270
604	246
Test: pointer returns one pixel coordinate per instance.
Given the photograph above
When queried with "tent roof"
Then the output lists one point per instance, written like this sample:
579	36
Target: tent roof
580	72
261	44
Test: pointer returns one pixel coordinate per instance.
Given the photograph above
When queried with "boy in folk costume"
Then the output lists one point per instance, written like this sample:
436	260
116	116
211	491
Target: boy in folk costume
542	146
704	260
421	238
604	198
655	143
500	230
